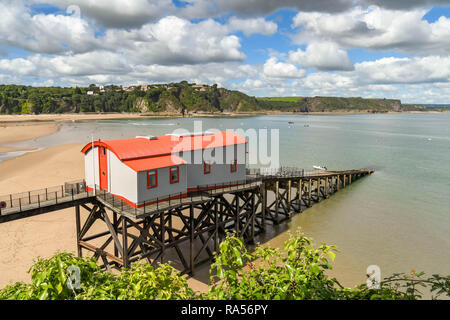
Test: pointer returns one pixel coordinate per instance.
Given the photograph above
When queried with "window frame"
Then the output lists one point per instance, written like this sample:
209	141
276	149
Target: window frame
178	174
153	172
207	165
233	166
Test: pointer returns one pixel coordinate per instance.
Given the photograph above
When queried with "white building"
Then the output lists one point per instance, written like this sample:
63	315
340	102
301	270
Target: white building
150	169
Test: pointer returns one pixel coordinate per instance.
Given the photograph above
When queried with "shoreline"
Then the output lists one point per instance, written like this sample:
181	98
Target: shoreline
11	133
42	235
37	119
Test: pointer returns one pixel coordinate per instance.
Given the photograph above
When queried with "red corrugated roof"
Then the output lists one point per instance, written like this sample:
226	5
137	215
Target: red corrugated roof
128	149
145	164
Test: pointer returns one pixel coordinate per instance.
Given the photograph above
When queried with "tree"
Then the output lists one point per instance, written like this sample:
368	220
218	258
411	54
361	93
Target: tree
36	103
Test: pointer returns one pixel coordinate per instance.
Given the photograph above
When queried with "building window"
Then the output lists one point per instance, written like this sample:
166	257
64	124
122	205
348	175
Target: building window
207	167
233	166
174	174
152	179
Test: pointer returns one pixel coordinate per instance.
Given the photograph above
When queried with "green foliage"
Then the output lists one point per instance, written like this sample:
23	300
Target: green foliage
141	281
49	277
330	104
175	98
297	272
300	273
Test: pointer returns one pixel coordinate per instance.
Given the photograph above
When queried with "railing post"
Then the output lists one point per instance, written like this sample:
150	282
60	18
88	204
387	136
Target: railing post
62	191
10	198
29	197
72	194
56	196
20	205
46	194
39	201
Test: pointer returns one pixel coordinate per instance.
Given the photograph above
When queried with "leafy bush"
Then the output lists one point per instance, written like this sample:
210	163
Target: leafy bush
297	272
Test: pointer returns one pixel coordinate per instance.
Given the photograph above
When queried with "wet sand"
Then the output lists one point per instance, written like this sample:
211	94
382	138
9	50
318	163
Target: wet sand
16	132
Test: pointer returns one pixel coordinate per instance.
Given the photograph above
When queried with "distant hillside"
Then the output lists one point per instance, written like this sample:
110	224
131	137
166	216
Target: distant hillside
433	107
335	104
171	98
174	98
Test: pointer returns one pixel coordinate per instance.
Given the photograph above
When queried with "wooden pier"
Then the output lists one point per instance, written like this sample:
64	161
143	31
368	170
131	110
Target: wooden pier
186	230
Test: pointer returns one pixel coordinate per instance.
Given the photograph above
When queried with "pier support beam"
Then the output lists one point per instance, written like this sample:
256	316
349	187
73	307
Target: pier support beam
190	233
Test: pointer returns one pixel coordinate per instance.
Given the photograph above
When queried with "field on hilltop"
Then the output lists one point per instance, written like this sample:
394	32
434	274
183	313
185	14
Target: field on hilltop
181	98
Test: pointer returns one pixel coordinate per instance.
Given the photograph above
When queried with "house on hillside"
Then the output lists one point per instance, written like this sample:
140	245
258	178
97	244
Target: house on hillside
147	169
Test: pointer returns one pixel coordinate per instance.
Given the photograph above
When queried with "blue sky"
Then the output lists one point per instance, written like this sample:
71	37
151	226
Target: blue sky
368	48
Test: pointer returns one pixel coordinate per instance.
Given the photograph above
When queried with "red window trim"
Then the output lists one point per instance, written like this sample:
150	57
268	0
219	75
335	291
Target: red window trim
207	167
178	174
233	166
149	173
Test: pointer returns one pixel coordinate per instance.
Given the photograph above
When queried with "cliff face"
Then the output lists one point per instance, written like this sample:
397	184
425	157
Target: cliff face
175	98
184	98
334	104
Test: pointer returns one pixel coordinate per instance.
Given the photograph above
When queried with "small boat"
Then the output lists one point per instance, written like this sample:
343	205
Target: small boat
291	122
306	125
320	168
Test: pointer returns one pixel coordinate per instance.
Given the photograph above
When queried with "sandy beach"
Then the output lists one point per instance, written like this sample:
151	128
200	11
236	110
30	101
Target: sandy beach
43	235
65	117
14	132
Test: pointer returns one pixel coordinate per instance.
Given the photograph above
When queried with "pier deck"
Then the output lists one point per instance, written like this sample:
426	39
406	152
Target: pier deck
199	220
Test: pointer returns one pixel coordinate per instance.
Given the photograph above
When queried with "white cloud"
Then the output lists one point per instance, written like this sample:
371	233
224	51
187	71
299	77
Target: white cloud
322	56
209	8
276	69
376	28
174	40
253	26
404	70
43	33
91	63
119	13
397	78
403	4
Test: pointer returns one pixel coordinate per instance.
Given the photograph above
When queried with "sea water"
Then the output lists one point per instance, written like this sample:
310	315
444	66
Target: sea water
397	218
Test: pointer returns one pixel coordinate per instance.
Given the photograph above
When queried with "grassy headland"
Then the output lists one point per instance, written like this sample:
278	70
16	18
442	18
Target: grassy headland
175	99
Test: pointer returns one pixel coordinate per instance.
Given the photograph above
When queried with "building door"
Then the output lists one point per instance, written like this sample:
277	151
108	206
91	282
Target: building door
103	168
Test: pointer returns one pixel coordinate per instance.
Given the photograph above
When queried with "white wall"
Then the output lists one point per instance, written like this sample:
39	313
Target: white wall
125	182
164	188
220	172
90	169
122	180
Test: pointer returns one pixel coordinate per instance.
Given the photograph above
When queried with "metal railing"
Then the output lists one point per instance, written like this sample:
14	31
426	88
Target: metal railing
75	190
200	193
19	202
228	186
151	205
280	172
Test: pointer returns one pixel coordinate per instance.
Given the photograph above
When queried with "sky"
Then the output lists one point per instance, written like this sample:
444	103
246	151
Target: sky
350	48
